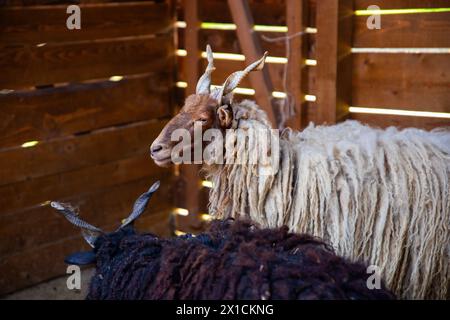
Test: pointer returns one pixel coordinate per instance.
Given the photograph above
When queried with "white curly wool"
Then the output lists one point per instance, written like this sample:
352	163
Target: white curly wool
380	196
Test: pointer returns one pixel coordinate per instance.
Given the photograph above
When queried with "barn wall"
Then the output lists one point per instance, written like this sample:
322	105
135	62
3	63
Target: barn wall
336	76
222	40
92	128
78	111
403	80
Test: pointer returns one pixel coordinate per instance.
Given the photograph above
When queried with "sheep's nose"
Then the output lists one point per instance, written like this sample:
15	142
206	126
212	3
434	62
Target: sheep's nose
155	149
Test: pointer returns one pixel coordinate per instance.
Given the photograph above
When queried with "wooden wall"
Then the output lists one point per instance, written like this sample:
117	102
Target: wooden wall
341	77
60	89
405	81
92	100
265	12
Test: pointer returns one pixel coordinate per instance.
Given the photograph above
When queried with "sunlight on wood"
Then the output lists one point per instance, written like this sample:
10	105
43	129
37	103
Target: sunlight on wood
400	112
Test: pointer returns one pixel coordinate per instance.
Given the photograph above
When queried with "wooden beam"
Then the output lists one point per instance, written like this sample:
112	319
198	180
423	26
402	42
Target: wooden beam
334	60
99	21
190	172
296	18
193	51
28	66
251	47
82	107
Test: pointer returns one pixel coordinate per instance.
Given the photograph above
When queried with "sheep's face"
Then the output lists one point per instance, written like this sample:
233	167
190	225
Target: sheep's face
204	110
199	110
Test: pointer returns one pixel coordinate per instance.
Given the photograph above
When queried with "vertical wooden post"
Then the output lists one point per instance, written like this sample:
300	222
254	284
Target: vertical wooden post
296	18
190	172
251	47
193	52
334	59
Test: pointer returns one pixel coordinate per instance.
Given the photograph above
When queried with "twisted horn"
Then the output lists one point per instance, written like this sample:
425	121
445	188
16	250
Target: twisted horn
90	233
233	80
204	83
140	205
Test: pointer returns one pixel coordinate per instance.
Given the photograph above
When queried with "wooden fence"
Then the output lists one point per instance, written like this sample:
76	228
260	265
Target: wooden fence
78	111
397	75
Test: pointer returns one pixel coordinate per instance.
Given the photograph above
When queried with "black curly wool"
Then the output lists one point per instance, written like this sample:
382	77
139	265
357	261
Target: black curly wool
232	260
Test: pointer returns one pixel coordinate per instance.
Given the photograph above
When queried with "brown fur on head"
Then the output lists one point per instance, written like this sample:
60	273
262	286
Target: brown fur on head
211	109
197	107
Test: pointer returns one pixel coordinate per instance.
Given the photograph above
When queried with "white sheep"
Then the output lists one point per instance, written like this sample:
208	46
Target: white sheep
381	196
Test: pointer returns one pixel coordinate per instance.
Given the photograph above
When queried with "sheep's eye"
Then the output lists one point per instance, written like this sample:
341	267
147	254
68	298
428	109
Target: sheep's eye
203	120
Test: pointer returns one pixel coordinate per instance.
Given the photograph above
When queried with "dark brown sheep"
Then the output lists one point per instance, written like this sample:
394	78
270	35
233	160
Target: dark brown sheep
231	260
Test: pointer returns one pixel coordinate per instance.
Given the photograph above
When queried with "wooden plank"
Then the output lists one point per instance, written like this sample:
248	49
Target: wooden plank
311	113
401	4
427	30
32	193
312	13
99	21
296	15
193	50
227	41
405	97
26	3
251	48
183	224
204	199
334	20
31	66
45	262
76	152
189	173
104	207
54	112
384	121
266	12
391	80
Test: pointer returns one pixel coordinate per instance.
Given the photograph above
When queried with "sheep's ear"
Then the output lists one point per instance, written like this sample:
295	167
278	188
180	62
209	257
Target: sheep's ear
225	116
81	258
